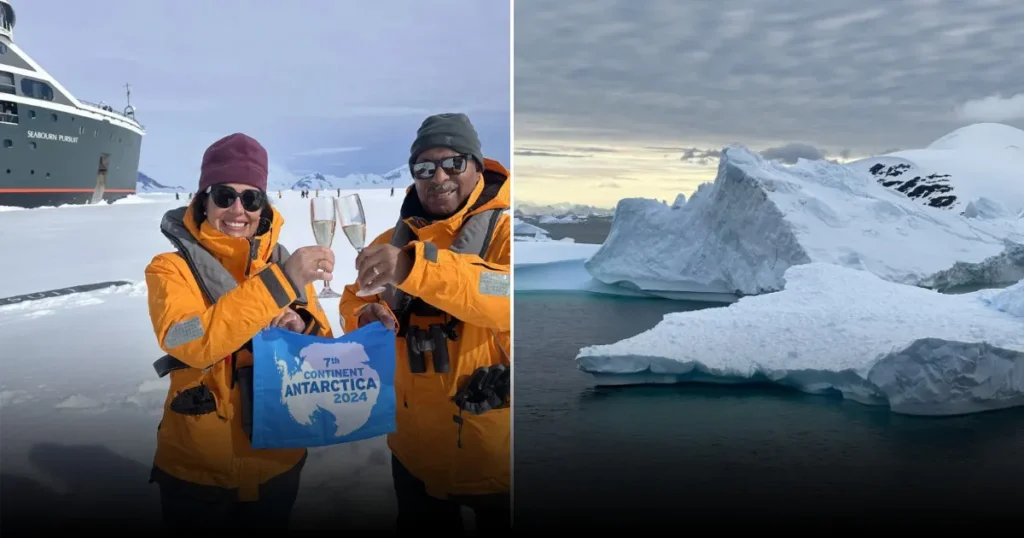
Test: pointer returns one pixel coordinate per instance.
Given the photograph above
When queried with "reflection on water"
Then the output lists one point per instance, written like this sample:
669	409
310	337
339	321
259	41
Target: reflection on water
618	451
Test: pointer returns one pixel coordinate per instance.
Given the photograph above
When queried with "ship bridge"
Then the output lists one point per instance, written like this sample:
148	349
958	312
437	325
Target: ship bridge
6	20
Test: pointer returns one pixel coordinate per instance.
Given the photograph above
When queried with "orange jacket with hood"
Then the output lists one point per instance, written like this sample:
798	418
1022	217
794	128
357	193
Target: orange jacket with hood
473	459
210	452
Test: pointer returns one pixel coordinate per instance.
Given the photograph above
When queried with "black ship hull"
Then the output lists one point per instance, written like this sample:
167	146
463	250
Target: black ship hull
51	158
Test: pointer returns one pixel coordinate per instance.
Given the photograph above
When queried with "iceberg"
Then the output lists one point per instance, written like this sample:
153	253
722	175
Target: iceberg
550	266
1010	300
840	330
546	265
524	231
940	217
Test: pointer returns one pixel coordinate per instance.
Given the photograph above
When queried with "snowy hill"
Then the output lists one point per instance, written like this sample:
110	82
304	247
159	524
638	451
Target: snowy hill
982	161
148	184
561	212
742	232
399	178
282	180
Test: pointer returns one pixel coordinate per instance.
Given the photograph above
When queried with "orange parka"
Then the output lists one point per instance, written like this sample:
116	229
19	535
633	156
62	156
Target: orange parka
210	452
473	457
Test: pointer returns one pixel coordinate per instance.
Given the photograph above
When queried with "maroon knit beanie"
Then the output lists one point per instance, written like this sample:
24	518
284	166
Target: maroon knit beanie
236	158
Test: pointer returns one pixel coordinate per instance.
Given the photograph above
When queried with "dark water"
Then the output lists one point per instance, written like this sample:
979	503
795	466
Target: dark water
682	455
593	230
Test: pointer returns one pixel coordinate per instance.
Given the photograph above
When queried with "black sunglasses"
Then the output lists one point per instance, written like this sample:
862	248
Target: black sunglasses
451	165
224	197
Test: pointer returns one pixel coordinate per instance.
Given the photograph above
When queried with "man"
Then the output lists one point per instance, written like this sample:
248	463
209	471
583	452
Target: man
446	269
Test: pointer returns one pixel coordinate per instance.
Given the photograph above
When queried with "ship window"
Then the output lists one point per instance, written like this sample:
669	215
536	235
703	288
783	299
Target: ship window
36	89
8	143
8	112
3	48
53	116
32	114
81	129
32	145
7	83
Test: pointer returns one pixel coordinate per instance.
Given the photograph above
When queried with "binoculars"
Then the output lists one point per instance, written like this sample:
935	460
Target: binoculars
434	340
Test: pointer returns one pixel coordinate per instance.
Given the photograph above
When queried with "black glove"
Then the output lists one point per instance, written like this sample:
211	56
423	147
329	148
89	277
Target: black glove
488	388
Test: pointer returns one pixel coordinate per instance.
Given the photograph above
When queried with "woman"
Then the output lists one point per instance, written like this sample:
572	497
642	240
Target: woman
227	281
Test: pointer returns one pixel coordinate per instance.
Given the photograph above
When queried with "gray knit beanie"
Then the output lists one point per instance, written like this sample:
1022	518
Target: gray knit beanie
449	130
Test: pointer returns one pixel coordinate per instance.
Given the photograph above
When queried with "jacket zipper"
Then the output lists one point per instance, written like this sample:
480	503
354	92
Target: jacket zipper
252	256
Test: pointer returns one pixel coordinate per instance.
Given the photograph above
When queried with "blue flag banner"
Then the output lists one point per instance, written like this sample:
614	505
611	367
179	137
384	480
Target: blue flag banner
311	391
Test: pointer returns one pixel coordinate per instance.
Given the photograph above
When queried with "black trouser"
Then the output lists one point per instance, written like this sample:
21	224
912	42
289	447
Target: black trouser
419	512
183	510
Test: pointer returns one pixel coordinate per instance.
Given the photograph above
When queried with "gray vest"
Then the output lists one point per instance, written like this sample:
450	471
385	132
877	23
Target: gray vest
211	276
474	238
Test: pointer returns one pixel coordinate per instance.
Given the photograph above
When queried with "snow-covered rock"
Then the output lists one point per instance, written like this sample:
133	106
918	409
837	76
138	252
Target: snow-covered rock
146	184
974	169
741	233
836	329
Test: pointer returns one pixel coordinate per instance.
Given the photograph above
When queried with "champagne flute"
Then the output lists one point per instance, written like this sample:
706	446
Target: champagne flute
321	214
353	224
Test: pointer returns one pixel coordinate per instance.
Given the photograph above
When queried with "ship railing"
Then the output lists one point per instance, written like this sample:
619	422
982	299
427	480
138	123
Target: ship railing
110	110
9	118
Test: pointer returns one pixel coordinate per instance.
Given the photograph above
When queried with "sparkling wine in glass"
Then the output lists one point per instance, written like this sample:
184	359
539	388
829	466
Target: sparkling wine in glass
353	225
321	214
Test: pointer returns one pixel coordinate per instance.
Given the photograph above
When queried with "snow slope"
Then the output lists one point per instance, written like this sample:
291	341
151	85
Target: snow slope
739	234
76	381
146	184
838	329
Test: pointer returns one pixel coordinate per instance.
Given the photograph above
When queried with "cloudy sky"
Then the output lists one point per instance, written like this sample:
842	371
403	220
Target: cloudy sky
618	98
326	85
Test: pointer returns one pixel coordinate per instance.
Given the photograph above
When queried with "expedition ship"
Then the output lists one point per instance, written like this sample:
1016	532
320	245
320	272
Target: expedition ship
56	149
